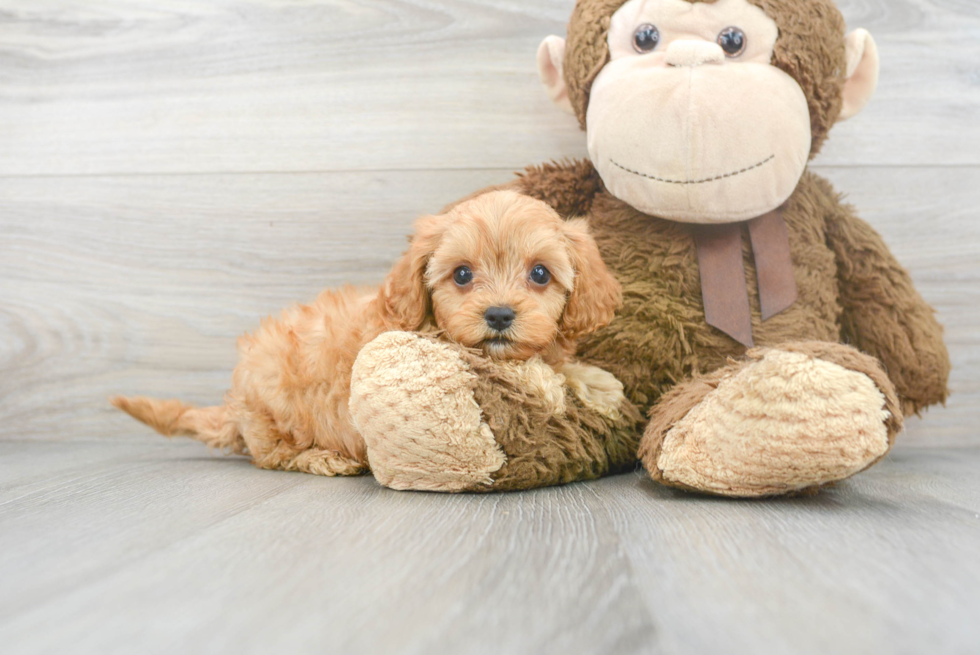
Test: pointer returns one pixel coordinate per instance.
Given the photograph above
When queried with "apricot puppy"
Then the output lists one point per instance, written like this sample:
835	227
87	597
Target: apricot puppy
501	272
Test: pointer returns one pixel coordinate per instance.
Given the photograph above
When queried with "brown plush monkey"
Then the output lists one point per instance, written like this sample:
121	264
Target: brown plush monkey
767	332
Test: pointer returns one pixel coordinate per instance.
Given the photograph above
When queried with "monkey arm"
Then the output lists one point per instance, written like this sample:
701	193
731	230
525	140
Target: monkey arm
883	313
439	417
568	186
544	447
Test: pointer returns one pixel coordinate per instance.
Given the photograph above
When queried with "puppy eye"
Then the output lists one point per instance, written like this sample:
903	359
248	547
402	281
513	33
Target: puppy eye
645	38
732	41
540	275
463	276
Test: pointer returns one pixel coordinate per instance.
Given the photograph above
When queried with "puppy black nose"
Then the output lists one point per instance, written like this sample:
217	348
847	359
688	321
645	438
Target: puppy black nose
499	318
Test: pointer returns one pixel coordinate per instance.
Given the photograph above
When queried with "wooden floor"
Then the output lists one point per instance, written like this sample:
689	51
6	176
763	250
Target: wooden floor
172	170
150	547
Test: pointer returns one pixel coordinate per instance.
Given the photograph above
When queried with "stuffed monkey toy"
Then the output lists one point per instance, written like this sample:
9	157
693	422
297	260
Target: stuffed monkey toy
769	342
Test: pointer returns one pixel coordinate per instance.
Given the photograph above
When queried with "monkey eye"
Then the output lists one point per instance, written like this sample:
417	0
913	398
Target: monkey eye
540	275
462	276
732	41
645	38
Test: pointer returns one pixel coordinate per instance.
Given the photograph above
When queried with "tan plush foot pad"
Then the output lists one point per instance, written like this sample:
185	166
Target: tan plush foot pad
780	422
412	401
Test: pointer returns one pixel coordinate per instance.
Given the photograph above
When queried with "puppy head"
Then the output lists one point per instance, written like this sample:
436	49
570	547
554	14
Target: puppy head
502	272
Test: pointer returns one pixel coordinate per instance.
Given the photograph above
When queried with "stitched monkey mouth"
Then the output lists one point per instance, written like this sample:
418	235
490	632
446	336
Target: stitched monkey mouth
702	181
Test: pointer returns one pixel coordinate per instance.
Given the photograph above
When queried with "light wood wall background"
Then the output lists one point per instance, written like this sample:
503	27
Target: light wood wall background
172	170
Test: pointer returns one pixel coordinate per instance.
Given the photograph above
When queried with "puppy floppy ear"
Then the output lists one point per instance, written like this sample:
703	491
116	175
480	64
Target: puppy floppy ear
404	297
597	294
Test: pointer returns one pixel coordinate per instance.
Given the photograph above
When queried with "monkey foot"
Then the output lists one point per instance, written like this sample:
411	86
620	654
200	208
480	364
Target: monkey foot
784	420
412	402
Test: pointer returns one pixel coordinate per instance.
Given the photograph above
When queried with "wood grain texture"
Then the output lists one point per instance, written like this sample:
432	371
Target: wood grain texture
177	86
159	548
172	170
141	284
140	280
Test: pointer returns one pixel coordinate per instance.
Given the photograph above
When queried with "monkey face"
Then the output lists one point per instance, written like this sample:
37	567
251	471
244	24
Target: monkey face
689	118
682	129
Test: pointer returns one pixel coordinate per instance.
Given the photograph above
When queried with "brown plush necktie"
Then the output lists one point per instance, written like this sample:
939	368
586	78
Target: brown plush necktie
723	288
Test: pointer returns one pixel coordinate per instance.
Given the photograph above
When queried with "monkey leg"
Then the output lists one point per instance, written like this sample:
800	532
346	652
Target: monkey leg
438	417
783	420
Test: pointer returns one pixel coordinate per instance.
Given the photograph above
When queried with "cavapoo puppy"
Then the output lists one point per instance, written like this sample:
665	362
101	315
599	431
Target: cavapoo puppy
501	272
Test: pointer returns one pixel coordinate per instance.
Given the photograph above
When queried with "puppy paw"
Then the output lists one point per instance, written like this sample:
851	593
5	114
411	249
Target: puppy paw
412	401
598	390
783	421
537	379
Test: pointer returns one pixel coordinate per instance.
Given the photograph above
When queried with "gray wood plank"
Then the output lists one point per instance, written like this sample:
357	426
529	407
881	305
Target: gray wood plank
874	565
183	552
134	506
170	86
142	283
194	555
22	473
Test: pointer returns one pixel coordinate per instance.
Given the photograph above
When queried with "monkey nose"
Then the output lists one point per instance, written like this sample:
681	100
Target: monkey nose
692	53
499	318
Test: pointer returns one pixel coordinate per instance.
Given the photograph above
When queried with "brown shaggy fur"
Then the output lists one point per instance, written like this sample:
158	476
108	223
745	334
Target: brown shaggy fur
810	48
288	404
544	448
850	286
851	290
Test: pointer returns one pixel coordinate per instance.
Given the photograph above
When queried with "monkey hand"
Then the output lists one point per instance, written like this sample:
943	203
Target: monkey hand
439	417
784	420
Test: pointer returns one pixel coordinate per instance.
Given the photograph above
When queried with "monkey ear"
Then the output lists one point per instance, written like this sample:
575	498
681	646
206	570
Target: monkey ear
597	294
862	72
404	296
551	57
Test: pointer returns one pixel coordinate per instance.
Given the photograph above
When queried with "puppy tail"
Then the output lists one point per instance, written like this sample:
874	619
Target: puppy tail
212	425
